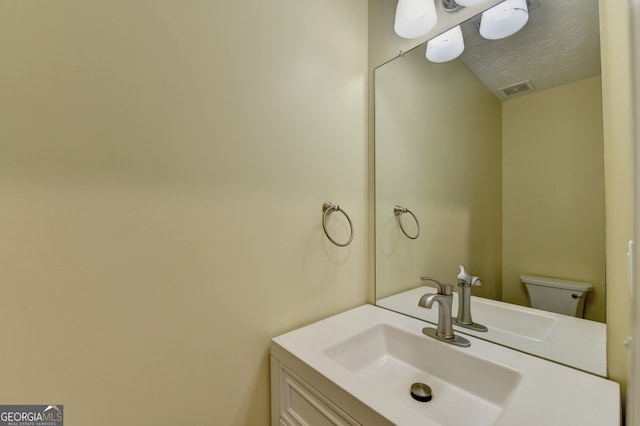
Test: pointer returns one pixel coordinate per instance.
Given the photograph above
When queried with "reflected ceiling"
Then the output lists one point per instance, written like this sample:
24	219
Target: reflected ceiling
559	44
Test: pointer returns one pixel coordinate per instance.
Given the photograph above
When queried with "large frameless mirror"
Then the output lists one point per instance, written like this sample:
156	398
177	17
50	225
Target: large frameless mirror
499	156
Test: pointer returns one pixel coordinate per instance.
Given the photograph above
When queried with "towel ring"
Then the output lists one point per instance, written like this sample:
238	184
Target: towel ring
329	208
399	211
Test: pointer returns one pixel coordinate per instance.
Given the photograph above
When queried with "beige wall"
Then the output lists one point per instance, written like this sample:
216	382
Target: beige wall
616	102
438	153
633	393
553	190
162	172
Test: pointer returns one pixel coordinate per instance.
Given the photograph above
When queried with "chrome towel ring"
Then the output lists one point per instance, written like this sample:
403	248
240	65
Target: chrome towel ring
399	211
328	208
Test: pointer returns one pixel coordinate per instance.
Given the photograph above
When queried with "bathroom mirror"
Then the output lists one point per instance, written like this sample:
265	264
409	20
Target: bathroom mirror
499	155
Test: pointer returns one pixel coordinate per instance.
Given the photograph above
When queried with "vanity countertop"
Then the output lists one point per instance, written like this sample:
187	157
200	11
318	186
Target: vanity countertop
575	342
538	392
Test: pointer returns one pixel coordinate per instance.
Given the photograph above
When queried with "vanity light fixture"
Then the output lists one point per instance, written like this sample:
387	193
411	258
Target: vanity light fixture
447	46
503	20
415	18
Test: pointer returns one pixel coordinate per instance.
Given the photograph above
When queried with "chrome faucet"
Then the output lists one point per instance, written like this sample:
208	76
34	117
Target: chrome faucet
444	298
465	282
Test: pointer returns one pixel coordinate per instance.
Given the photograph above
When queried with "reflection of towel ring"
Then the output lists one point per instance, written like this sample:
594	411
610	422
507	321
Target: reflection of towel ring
329	208
398	211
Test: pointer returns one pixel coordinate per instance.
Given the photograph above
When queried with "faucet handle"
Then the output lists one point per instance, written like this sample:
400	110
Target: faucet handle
443	288
465	279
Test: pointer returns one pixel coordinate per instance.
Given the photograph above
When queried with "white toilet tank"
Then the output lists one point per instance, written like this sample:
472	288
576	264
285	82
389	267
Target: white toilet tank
556	295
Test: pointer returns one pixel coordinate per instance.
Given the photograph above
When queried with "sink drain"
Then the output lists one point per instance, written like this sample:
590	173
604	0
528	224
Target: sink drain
421	392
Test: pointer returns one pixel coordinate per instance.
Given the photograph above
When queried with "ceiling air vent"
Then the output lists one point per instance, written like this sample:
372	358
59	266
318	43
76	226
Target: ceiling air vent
516	89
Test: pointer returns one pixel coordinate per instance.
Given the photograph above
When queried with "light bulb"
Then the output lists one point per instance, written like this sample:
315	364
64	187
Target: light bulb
446	47
503	20
415	18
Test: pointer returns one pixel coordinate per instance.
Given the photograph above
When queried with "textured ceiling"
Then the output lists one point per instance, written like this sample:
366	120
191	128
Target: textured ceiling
559	44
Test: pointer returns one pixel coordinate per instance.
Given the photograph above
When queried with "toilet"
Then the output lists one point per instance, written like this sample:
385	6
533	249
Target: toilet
556	295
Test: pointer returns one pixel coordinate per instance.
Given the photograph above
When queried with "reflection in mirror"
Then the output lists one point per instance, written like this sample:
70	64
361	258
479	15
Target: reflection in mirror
499	154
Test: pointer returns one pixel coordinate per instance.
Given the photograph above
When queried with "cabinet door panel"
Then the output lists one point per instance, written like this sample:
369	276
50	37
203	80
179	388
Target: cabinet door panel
302	405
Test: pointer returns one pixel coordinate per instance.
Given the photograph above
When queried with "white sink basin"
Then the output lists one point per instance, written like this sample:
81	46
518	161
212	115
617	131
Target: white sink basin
366	359
391	359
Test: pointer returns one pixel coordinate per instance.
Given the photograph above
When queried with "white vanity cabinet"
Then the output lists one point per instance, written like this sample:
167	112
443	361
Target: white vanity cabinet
295	402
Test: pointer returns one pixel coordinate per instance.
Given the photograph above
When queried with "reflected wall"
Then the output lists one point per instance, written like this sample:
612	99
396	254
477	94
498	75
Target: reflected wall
553	190
504	188
438	153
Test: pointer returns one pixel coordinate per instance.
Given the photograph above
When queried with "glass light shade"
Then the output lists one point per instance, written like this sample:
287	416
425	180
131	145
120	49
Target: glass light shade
415	18
503	20
470	3
447	46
